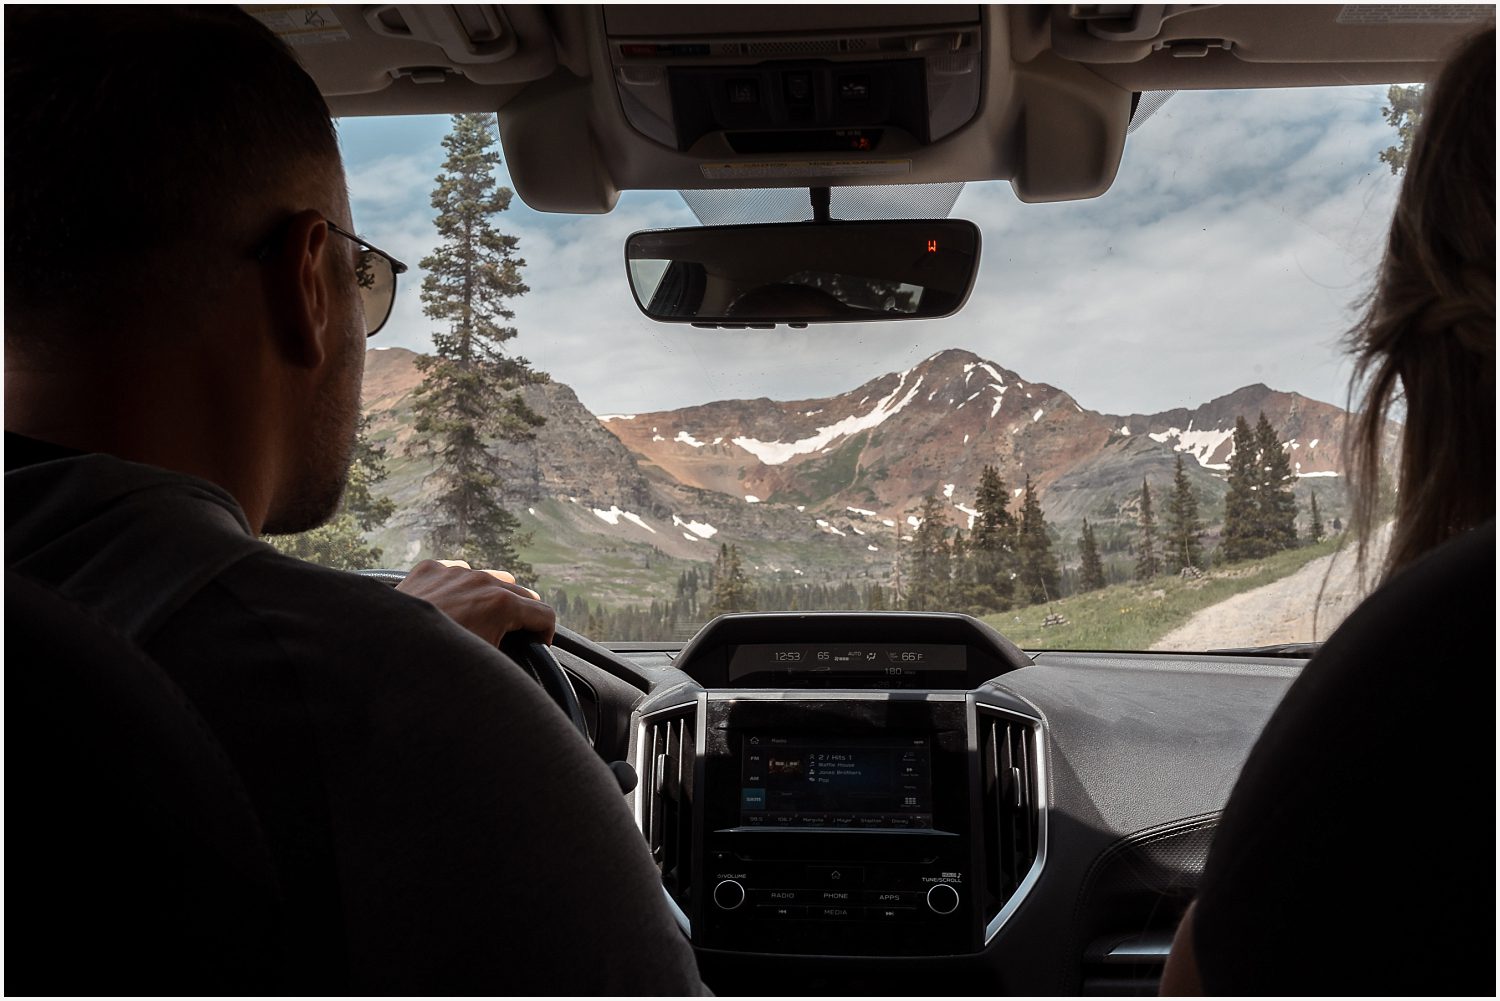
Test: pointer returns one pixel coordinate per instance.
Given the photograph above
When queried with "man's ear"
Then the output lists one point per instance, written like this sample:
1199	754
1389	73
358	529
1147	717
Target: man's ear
299	275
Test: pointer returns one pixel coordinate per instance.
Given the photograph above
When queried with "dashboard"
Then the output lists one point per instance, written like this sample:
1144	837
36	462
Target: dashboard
863	802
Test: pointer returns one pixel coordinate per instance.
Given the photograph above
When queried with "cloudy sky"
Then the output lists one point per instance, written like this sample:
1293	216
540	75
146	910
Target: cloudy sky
1240	231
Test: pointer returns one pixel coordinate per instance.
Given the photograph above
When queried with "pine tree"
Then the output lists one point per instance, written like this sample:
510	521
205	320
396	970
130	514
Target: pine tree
1091	573
875	598
340	542
992	544
1276	508
1146	564
732	590
1241	538
468	397
1037	574
929	575
1402	112
962	587
1184	530
1315	526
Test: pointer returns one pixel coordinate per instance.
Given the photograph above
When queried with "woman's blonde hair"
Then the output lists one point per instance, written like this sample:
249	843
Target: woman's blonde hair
1428	331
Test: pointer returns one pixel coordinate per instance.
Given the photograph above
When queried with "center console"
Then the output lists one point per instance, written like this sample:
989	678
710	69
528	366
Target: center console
836	827
864	818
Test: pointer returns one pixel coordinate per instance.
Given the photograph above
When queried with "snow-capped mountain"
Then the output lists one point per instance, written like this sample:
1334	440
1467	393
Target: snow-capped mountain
932	428
845	471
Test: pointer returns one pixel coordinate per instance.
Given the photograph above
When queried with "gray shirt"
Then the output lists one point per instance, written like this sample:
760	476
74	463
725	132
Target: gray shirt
437	825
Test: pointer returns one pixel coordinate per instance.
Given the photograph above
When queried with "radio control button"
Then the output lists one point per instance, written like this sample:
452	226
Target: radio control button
778	896
780	911
943	899
839	913
729	894
893	898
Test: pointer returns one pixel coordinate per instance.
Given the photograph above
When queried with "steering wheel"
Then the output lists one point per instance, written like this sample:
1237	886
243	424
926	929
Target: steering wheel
534	657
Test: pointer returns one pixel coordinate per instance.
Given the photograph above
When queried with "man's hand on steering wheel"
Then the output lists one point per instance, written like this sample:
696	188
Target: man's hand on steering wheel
488	603
491	605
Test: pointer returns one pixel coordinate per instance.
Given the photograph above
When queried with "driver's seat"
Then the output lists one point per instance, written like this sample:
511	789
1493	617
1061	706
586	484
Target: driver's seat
135	863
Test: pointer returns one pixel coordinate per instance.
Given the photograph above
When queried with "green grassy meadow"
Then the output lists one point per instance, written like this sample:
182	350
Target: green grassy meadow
1134	616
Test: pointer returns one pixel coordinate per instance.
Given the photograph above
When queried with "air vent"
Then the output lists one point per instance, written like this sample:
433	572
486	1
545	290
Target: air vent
666	797
1013	822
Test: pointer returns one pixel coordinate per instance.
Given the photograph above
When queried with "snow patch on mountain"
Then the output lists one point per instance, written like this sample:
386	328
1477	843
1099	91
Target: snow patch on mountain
971	366
860	511
968	511
1326	472
702	529
1036	416
688	439
751	499
948	490
614	514
1201	445
775	453
606	418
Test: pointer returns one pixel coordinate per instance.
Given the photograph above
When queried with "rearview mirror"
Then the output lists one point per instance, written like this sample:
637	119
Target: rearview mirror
804	272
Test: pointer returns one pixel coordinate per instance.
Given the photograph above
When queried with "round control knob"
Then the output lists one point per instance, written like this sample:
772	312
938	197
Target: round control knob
942	898
729	894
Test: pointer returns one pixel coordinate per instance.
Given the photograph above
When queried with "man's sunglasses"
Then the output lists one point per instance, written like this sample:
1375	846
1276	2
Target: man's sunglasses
375	273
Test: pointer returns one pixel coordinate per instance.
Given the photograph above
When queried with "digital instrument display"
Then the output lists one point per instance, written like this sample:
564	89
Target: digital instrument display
874	783
829	662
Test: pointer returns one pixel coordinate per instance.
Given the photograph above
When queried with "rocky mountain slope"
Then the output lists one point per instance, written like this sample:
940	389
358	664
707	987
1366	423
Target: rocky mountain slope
821	485
875	451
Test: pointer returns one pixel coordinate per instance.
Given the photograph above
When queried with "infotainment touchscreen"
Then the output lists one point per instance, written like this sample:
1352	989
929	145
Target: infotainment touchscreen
836	782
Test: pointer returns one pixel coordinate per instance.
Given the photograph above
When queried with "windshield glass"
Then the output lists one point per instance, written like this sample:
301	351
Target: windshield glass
1060	458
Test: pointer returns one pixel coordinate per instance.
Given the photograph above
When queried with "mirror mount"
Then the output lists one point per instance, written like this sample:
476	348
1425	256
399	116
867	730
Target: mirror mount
821	198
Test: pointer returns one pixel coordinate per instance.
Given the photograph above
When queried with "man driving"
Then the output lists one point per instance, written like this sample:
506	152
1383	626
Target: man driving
186	313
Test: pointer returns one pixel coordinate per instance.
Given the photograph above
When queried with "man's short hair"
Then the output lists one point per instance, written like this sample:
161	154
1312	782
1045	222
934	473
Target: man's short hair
130	132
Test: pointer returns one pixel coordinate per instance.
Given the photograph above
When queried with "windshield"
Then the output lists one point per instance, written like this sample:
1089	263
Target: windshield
1061	458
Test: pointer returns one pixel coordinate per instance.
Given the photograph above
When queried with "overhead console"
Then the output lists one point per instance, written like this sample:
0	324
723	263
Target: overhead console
716	84
743	96
843	784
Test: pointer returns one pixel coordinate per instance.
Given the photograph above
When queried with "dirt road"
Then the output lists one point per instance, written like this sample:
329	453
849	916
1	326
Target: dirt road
1282	611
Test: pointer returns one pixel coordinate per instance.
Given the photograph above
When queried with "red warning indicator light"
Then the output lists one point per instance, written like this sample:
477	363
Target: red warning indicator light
932	246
